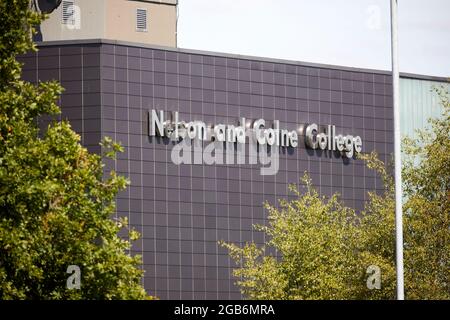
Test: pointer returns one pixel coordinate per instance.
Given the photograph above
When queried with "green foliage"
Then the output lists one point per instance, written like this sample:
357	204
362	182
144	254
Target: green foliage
323	248
312	235
15	37
377	233
56	207
426	176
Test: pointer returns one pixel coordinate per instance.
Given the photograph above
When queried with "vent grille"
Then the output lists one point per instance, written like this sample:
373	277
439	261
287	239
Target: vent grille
68	13
141	20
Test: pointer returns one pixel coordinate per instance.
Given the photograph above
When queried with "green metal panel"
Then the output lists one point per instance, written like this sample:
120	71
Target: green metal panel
418	103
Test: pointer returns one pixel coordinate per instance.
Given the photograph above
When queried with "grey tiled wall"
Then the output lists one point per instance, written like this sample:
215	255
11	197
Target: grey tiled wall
182	211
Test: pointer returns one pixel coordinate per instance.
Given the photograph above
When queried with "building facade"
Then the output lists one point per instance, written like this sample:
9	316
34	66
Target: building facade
419	102
183	210
142	21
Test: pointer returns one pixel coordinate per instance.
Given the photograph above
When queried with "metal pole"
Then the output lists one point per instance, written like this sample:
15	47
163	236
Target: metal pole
397	154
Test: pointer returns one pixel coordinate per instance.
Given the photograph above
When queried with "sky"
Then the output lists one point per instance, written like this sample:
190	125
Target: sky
353	33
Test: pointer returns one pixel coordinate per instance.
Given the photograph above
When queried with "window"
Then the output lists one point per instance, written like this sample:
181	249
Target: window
68	13
141	20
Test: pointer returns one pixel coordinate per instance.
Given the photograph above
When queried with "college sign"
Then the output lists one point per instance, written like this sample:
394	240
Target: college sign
315	137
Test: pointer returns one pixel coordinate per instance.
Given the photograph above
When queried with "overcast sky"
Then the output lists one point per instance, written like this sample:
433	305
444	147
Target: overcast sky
343	32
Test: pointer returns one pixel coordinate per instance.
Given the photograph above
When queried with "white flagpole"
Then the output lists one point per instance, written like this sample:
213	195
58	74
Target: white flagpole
397	153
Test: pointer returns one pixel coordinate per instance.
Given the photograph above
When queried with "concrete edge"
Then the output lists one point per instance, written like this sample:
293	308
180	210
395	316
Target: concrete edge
209	53
242	57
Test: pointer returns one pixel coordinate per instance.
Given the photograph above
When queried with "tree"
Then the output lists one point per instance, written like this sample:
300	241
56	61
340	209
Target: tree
376	228
426	176
56	206
312	235
324	249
